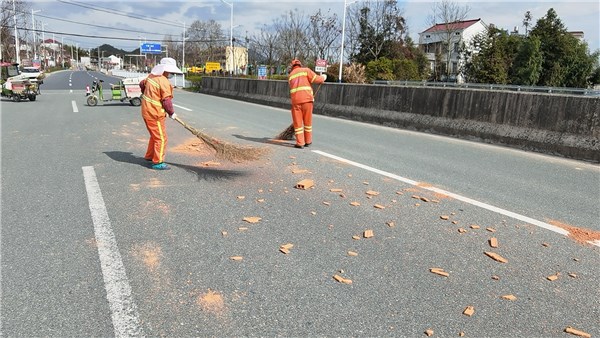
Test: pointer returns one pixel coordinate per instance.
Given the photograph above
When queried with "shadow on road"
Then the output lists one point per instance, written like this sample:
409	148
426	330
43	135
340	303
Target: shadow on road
206	174
266	140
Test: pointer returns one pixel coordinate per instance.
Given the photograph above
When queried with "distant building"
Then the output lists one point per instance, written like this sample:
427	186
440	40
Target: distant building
445	40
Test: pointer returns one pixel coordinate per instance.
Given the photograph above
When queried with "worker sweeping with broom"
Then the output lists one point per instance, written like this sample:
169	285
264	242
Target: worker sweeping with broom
157	104
301	94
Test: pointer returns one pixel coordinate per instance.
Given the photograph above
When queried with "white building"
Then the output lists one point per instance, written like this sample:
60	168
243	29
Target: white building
446	39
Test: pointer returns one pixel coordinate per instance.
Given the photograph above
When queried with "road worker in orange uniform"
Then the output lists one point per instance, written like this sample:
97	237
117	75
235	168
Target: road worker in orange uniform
301	94
157	96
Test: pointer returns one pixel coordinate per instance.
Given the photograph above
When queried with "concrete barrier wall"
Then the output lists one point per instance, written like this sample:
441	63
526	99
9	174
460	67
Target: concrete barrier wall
554	124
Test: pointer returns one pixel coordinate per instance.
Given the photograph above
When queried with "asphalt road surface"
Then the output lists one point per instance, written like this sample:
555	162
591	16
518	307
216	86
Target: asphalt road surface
94	243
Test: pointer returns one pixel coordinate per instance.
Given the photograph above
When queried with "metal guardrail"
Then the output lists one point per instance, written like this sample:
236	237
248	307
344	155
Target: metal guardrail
484	86
176	80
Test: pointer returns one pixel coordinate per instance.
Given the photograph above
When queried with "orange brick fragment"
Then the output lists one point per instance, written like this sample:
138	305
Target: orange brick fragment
378	206
444	217
299	171
429	332
368	234
424	199
439	271
355	237
342	280
461	230
496	257
469	311
305	184
553	277
372	193
335	190
509	297
236	258
391	224
284	250
576	332
355	204
493	242
475	226
352	253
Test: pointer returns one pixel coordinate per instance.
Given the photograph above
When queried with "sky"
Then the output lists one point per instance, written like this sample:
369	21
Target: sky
81	17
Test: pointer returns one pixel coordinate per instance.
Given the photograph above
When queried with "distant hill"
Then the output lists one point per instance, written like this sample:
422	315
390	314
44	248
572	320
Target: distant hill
110	50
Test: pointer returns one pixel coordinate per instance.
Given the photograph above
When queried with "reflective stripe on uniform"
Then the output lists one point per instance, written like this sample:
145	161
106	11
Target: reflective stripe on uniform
308	129
297	89
162	143
153	102
153	83
299	130
299	74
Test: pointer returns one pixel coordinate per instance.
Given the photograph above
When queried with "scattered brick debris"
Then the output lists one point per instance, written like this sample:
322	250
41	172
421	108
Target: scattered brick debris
424	199
461	230
390	224
509	297
326	203
495	277
415	197
224	233
493	242
342	196
417	204
260	190
469	311
379	206
576	332
573	275
352	253
429	332
445	217
372	193
242	228
285	248
545	245
236	258
252	219
366	183
490	229
475	226
454	222
439	271
210	164
355	237
342	280
399	193
435	201
452	213
241	197
368	234
576	259
496	257
349	175
553	277
461	334
335	190
299	171
305	184
313	213
354	204
260	200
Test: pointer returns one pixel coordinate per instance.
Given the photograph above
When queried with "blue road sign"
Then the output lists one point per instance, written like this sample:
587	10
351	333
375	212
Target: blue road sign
150	48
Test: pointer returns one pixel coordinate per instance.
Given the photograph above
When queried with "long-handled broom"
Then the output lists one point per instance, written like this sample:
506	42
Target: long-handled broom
288	133
227	151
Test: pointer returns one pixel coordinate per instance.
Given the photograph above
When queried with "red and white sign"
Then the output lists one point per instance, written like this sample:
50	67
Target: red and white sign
321	65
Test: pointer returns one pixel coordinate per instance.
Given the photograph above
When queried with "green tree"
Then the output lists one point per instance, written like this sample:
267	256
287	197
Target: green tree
527	66
380	69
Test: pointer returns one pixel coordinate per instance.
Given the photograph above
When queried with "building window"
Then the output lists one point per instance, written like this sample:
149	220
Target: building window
427	36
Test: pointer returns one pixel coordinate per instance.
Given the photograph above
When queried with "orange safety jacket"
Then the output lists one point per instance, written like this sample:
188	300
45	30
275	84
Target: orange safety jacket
157	88
300	80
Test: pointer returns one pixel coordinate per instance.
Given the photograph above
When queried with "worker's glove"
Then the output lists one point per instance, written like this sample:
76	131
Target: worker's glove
324	76
173	116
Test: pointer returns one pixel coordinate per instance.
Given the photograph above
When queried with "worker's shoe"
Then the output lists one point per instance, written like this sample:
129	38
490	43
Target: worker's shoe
147	159
160	166
298	146
307	145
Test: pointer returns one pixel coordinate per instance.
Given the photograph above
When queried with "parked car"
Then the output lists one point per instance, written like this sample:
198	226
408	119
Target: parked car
32	73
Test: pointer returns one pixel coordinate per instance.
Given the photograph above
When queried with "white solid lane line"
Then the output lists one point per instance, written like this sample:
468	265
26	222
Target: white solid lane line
181	107
123	310
74	104
455	196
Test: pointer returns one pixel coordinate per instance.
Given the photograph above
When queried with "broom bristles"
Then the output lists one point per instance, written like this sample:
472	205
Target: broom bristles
287	134
224	150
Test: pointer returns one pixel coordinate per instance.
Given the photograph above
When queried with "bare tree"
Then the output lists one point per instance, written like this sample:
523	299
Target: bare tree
448	13
7	26
293	28
527	22
323	32
205	42
265	45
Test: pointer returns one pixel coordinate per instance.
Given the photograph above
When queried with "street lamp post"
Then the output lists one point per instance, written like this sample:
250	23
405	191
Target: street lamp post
343	37
230	4
17	49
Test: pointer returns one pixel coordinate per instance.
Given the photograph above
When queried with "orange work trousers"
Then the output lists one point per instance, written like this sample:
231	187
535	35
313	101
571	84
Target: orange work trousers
157	145
302	120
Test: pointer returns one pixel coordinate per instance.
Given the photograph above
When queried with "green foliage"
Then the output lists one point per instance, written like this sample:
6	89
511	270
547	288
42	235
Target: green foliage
382	69
405	69
195	79
527	66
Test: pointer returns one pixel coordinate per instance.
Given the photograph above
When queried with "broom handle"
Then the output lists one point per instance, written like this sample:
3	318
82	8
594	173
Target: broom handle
185	125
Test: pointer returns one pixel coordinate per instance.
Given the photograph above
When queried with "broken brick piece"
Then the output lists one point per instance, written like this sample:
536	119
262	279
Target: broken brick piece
335	190
439	271
252	219
354	204
355	237
461	230
576	332
379	206
372	193
552	278
493	242
287	246
496	257
284	250
509	297
391	224
429	332
236	258
299	171
424	199
368	234
305	184
475	226
352	253
444	217
342	280
469	311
